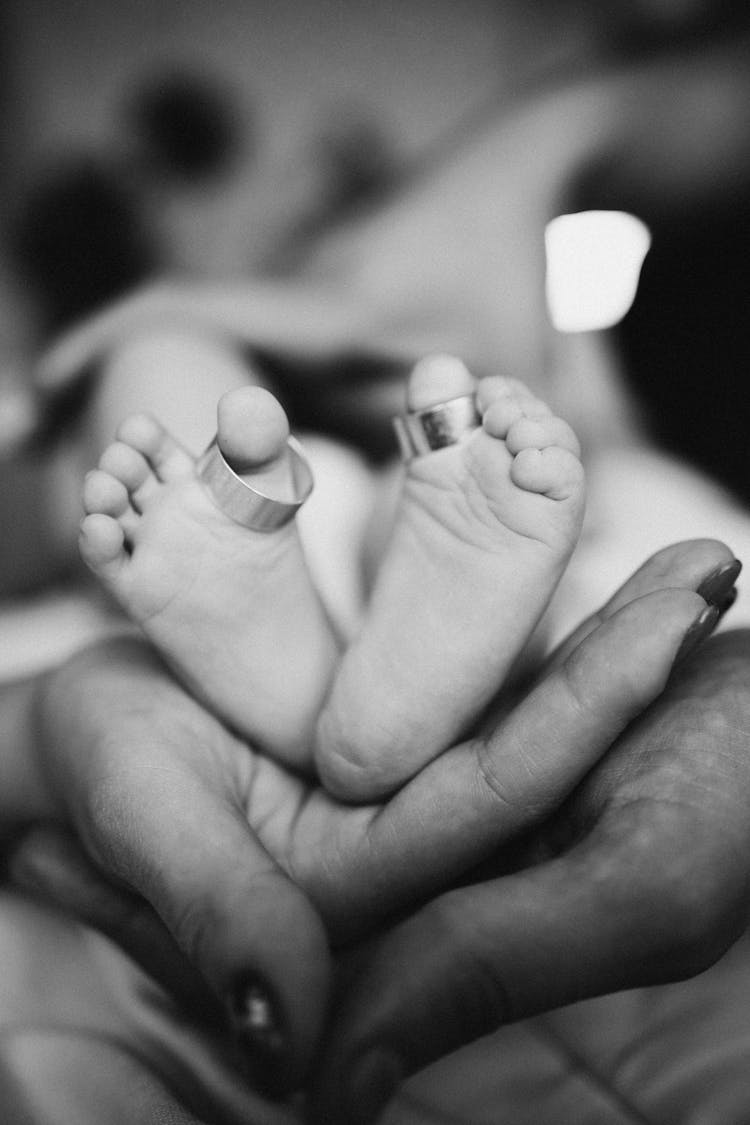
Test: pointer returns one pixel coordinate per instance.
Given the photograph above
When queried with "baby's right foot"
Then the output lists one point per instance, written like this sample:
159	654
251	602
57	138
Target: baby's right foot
232	610
483	534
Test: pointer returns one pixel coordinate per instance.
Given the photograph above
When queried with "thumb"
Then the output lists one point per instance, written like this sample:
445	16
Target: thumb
601	918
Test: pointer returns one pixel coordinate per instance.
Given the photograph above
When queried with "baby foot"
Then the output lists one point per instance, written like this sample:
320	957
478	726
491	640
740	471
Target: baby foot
483	534
233	611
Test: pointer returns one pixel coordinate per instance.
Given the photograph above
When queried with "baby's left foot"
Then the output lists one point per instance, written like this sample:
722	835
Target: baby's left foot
484	532
232	610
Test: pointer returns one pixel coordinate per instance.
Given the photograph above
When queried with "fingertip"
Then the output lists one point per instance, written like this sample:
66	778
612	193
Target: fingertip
642	640
275	986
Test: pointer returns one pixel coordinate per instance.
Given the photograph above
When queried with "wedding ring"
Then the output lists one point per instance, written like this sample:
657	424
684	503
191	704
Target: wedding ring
248	505
421	431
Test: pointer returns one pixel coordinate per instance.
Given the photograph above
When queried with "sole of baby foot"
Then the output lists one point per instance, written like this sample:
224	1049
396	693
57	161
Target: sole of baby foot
233	611
483	534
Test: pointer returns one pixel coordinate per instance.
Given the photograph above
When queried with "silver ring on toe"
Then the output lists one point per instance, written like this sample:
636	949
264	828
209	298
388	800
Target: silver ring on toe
244	503
446	423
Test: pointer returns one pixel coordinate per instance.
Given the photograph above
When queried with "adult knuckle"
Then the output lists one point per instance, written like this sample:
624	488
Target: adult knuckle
575	675
493	779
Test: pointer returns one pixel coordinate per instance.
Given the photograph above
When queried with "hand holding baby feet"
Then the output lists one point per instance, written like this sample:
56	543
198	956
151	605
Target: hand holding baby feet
485	528
202	557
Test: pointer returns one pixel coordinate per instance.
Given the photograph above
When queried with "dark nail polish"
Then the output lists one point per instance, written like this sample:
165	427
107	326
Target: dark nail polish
258	1032
727	602
373	1083
715	586
701	628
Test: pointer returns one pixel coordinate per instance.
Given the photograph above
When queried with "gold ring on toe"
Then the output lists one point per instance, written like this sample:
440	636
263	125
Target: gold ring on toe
244	503
446	423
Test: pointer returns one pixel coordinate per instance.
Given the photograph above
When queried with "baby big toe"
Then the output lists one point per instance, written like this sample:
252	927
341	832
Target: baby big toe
553	471
438	378
252	428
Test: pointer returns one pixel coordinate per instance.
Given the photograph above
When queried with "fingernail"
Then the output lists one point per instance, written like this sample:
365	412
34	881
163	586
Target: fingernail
727	602
373	1083
716	585
258	1032
701	628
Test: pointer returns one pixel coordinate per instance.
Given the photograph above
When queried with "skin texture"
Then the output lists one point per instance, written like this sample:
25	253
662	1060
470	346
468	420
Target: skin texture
184	570
482	533
691	888
641	878
215	866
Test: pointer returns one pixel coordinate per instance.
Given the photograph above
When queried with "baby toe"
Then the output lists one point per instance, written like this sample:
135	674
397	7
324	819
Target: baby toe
104	493
556	473
494	387
539	433
142	431
125	464
252	428
438	378
102	545
504	411
164	454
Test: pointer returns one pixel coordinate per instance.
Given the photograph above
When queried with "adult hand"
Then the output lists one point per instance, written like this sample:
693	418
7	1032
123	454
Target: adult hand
641	878
197	854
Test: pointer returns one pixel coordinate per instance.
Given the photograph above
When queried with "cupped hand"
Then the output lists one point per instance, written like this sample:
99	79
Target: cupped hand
641	878
211	863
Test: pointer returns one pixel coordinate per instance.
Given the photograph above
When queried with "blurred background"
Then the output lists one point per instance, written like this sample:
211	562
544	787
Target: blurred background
218	141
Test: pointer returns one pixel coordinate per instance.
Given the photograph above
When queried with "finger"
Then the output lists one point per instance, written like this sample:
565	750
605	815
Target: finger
486	791
652	891
50	863
704	565
149	780
487	955
232	911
